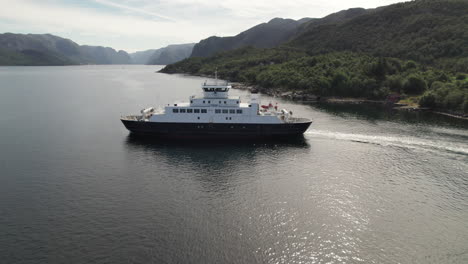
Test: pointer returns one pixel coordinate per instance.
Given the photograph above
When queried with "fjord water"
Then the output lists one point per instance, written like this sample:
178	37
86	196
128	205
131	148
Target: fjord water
364	184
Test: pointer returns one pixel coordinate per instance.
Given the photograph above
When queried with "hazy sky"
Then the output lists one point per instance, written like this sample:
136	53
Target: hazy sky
134	25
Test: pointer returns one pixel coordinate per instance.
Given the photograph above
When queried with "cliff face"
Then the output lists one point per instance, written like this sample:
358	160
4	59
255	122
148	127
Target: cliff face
171	54
142	57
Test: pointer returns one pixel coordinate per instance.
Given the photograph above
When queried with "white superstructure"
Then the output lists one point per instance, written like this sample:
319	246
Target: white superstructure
216	106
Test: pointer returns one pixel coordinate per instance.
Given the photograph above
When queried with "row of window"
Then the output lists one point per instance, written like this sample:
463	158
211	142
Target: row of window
189	110
230	111
191	101
203	111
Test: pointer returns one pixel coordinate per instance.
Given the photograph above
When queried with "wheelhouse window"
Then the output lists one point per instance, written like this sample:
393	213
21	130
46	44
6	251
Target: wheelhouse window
196	111
182	110
232	111
225	111
239	111
215	89
189	110
217	111
175	110
203	111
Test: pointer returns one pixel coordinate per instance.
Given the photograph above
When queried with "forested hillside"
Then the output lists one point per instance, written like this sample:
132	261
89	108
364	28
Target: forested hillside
417	49
428	31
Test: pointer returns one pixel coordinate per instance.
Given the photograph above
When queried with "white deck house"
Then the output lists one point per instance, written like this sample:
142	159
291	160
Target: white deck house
216	106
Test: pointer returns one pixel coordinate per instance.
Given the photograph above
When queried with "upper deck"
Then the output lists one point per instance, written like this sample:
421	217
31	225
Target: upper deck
216	90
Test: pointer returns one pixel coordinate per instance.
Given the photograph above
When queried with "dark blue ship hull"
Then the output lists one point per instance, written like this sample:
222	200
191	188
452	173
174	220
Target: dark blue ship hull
216	130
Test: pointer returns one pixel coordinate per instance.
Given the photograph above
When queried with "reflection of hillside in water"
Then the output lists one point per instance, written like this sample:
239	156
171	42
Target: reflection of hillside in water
376	112
214	164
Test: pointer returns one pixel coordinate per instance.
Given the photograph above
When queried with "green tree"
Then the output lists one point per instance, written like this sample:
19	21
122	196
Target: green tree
414	84
428	100
395	83
454	99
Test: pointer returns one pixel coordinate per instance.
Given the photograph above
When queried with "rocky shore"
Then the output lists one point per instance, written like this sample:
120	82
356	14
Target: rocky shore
301	96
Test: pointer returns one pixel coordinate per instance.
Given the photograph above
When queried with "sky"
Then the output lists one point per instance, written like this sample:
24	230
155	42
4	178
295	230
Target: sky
134	25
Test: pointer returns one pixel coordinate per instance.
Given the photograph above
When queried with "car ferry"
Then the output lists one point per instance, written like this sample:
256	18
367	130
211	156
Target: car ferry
216	114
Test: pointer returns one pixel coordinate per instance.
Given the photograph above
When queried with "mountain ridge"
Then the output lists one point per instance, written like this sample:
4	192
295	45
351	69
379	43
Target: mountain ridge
275	32
264	35
48	49
54	50
419	30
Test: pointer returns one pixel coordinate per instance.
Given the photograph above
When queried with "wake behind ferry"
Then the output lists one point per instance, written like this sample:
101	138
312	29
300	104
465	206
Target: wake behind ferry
216	114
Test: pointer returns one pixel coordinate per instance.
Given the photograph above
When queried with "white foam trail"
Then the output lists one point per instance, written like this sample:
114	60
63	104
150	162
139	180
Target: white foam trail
407	142
451	131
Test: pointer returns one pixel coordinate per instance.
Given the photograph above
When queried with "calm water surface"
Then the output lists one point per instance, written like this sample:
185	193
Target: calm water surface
364	185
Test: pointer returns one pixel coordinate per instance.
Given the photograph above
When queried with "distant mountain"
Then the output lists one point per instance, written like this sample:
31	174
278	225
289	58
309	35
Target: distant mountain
142	57
171	54
47	49
34	49
105	55
31	58
265	35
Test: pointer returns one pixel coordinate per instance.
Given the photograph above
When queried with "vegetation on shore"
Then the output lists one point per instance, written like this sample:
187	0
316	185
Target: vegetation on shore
417	49
345	74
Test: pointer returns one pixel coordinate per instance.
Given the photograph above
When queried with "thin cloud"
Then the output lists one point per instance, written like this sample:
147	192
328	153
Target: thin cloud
133	9
145	24
87	20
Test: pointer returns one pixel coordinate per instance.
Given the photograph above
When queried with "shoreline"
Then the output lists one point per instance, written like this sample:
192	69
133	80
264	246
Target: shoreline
307	98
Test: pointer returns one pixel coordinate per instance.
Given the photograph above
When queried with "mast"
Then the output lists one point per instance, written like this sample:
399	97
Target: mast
216	75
